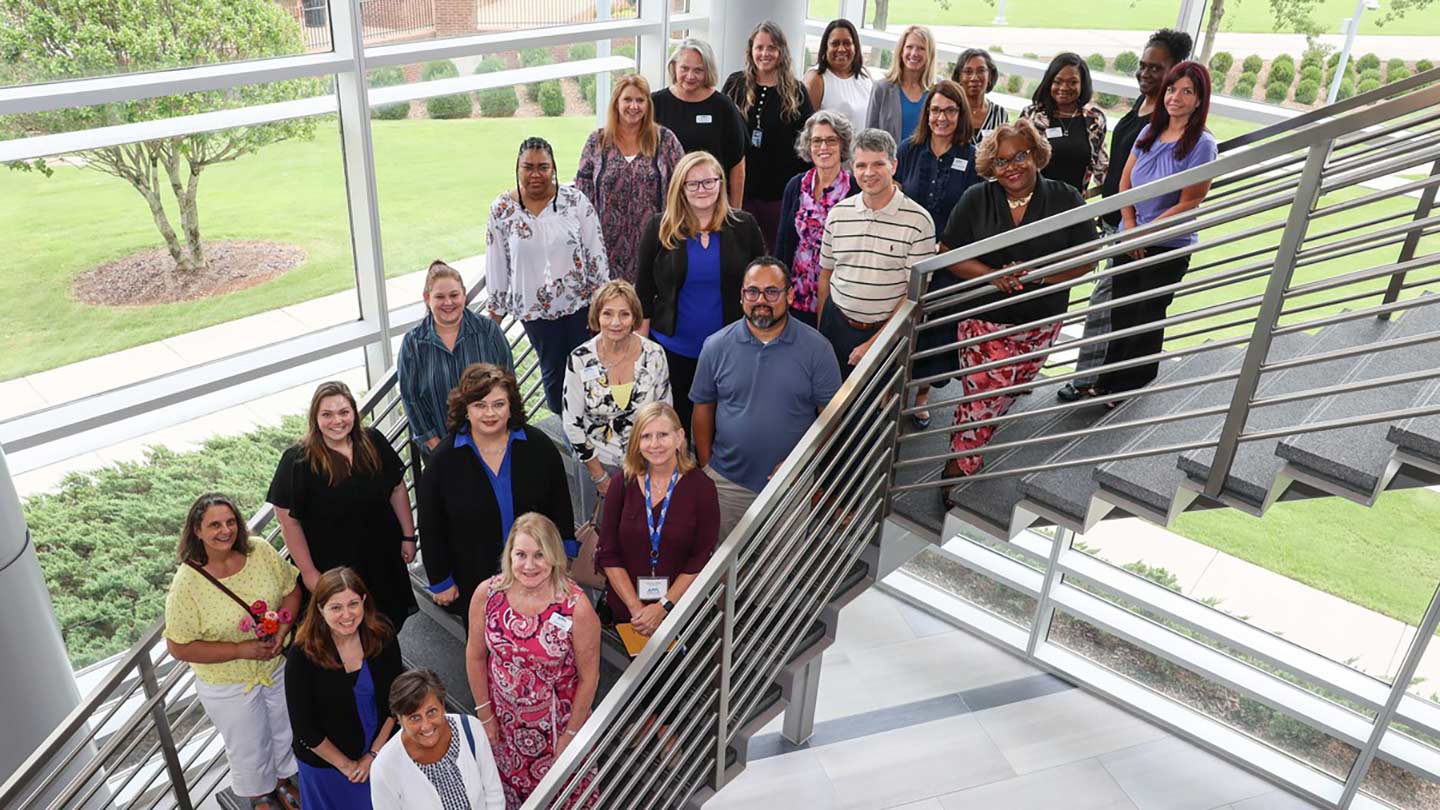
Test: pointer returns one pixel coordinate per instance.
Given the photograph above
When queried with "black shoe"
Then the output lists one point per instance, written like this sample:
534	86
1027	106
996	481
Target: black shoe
1070	393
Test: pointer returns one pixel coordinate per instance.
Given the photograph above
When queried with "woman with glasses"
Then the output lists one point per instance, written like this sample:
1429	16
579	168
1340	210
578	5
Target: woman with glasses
935	166
1062	112
489	469
809	196
976	74
776	106
692	260
1013	156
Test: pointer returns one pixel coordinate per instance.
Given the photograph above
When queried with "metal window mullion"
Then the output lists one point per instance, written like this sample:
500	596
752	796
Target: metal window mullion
1398	688
650	47
1268	317
1412	240
1045	606
362	199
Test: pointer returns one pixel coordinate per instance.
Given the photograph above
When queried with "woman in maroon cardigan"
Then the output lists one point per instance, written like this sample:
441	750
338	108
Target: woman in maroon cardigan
660	522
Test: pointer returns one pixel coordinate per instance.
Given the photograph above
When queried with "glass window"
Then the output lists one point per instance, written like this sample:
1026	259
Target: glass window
945	572
1400	787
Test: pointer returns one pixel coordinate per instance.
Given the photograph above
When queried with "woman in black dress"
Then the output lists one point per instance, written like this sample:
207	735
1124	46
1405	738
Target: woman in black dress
340	497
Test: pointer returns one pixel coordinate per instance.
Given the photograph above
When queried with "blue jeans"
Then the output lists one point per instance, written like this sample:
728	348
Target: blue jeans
553	341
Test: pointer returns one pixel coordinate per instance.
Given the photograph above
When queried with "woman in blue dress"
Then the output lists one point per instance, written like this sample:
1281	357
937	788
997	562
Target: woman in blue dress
337	685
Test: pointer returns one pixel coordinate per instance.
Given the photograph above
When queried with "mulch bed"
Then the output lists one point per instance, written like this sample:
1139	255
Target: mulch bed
149	277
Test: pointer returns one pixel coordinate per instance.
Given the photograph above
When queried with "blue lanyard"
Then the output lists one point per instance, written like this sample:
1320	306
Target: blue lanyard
650	521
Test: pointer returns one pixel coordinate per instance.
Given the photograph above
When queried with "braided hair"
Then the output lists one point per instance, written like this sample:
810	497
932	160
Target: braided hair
536	142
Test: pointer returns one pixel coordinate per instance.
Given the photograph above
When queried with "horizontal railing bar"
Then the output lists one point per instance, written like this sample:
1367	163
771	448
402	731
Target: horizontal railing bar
1331	111
1346	388
1351	351
1357	276
1355	315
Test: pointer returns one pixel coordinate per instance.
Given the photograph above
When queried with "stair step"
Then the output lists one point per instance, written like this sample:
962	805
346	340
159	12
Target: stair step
1153	482
924	506
1420	436
1068	491
1358	458
1252	479
991	502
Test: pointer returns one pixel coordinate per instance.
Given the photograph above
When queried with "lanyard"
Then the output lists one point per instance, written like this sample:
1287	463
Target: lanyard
650	521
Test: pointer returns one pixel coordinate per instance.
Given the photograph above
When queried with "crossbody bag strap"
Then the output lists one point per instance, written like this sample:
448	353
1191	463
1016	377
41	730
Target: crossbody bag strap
217	583
469	735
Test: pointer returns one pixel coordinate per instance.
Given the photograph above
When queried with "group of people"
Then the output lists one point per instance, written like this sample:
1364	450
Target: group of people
722	262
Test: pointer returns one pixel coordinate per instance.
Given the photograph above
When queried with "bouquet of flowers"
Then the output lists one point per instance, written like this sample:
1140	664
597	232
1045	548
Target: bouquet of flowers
263	621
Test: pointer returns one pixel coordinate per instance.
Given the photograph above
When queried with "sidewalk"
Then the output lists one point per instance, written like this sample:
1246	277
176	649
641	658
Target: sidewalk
1049	41
1329	625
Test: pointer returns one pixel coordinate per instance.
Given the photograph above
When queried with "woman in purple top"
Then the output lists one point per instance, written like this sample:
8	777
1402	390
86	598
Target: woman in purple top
1173	141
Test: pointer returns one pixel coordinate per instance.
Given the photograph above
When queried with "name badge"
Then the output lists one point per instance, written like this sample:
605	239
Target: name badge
757	137
959	165
1055	132
590	373
652	589
703	119
564	623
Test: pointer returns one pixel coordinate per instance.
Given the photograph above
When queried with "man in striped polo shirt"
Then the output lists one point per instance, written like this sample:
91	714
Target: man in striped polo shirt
871	241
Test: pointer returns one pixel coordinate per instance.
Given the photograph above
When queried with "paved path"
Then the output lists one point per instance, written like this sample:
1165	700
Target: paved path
1049	41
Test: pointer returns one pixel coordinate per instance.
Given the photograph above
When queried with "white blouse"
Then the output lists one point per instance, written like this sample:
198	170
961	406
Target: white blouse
397	783
547	266
850	97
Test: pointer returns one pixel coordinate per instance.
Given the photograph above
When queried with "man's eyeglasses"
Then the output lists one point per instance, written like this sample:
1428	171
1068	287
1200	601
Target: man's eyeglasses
752	294
707	184
1020	159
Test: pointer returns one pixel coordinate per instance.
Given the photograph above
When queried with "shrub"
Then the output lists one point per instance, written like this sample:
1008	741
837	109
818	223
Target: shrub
1276	92
1313	57
996	49
627	49
1217	82
1424	65
1333	60
389	77
886	57
443	107
1283	59
1252	64
1096	61
1281	73
1368	62
1127	62
587	89
1244	86
1108	100
1371	75
1394	63
551	98
1395	74
1312	73
1014	83
497	102
1347	89
1220	62
534	57
582	50
1031	88
1307	91
1031	55
1366	85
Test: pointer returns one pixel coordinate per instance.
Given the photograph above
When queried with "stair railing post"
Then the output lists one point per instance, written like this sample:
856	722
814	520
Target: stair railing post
165	733
1412	241
1428	625
727	651
1306	196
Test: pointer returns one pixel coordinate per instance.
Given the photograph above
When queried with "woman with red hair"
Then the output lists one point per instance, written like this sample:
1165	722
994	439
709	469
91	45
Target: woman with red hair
1175	140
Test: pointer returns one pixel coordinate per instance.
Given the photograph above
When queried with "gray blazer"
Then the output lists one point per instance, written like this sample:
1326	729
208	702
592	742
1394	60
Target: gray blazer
885	110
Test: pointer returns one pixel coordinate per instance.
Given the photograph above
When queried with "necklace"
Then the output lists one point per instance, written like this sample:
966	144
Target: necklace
1020	203
607	367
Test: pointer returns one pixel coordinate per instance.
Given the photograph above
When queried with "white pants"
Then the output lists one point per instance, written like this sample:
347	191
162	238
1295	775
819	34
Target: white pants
255	726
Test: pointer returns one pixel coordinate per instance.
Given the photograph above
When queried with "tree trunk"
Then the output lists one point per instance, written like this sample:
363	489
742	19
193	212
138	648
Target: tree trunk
1212	27
882	15
183	190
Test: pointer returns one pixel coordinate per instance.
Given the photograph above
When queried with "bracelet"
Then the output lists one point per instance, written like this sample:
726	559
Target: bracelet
595	479
409	538
370	754
482	705
570	733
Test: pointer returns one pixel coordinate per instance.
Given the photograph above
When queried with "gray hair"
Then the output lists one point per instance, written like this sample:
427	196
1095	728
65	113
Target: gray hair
875	139
707	56
834	120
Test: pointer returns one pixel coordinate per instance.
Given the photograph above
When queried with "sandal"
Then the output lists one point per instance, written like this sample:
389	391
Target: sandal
289	795
920	422
266	802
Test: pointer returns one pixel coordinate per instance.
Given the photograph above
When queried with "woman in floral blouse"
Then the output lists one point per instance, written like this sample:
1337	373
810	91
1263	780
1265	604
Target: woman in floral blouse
1074	127
625	168
607	380
543	259
809	196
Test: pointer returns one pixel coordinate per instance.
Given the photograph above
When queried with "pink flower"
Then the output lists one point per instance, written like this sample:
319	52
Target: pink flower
285	616
258	608
271	615
247	624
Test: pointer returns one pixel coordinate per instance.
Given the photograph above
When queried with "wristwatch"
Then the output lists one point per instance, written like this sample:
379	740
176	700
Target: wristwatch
667	604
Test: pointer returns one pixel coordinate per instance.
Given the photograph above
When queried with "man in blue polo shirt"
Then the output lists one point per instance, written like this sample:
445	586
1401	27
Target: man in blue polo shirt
758	385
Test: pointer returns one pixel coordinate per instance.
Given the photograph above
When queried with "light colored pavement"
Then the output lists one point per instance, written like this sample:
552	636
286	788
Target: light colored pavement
1047	42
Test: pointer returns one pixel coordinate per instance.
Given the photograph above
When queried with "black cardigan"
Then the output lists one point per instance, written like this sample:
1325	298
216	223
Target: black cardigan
460	518
661	270
322	703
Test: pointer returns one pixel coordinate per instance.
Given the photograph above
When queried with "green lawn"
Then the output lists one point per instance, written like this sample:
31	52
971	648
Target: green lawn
1132	15
436	180
1386	558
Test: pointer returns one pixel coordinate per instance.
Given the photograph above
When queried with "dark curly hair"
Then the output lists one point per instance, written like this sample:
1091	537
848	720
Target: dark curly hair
476	382
1175	43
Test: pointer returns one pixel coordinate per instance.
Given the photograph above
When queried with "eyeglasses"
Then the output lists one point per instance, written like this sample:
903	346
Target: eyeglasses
974	73
1020	159
707	184
945	112
485	407
752	294
830	141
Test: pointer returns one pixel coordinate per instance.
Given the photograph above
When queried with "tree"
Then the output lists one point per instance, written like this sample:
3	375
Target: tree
1297	16
48	40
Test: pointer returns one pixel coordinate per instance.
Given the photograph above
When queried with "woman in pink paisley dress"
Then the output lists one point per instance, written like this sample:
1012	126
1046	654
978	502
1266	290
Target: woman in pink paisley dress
824	142
534	669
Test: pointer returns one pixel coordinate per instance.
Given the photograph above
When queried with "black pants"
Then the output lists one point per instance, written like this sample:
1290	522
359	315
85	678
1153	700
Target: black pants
842	336
1138	313
553	340
682	376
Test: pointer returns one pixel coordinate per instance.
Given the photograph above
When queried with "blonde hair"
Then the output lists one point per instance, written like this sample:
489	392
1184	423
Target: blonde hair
678	223
438	270
615	289
897	64
543	531
1019	128
635	463
649	130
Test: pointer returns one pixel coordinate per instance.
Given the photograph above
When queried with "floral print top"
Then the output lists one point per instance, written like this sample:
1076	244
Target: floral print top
626	193
595	424
547	266
1095	127
809	228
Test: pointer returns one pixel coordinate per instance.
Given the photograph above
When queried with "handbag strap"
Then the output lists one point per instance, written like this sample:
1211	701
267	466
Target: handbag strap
217	583
469	735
